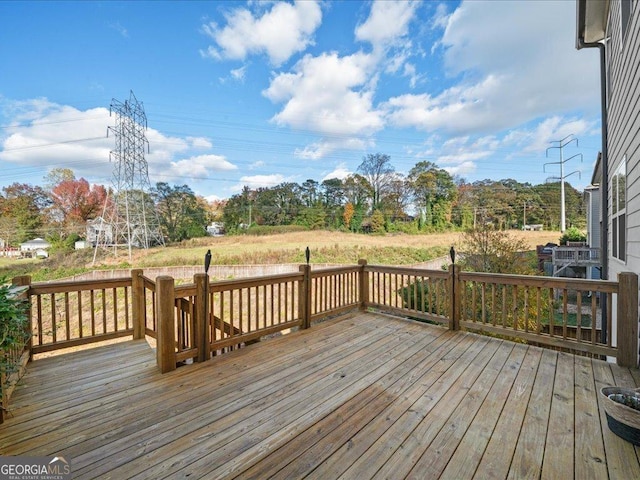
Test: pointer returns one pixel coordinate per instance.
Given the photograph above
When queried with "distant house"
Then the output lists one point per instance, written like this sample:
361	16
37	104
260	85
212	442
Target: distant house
215	229
99	231
35	248
613	26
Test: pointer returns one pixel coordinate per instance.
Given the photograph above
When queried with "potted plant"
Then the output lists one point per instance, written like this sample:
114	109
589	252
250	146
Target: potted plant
622	407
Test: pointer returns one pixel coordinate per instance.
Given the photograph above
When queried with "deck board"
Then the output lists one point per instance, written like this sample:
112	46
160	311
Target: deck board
362	396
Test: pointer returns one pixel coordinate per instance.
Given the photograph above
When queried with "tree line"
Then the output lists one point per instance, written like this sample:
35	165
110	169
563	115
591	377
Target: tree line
377	199
59	210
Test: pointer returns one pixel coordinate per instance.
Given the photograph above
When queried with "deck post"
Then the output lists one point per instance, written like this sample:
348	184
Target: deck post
202	316
454	289
165	314
304	297
364	284
138	307
627	315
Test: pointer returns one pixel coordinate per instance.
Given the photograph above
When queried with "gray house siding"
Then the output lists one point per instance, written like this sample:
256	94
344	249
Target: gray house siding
624	128
623	120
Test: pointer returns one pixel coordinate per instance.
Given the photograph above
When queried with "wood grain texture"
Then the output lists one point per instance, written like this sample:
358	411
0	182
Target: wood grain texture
360	396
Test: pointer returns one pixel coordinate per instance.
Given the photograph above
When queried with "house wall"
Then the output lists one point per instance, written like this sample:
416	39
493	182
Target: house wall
623	59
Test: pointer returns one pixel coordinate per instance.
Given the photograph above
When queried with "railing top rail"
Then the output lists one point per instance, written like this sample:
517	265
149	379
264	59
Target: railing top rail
607	286
325	272
408	271
148	283
74	286
255	281
185	290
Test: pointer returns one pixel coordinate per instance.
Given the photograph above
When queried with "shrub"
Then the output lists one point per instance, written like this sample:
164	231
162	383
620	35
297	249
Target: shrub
13	326
572	234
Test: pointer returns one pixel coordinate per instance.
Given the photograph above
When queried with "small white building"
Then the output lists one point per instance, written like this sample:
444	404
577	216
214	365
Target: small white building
35	248
215	229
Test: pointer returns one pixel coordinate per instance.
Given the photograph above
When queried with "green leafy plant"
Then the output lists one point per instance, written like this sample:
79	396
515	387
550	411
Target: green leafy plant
13	327
572	234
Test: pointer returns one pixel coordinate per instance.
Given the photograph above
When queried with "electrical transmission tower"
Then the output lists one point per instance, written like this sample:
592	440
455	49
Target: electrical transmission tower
561	145
129	218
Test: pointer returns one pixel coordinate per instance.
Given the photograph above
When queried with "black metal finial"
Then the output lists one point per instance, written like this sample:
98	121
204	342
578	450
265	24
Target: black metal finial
307	255
452	254
207	261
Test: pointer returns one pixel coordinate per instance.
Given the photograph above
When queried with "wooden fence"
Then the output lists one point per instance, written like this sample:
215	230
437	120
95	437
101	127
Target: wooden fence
196	321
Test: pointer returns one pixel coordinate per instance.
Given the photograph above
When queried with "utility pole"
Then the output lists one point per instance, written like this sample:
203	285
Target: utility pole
129	218
561	145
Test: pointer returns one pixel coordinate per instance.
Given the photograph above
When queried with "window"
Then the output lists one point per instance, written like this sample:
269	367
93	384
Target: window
619	211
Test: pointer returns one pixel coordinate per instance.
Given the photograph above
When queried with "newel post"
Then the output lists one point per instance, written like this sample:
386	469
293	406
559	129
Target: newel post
201	323
25	281
454	288
138	305
165	315
627	314
304	297
364	284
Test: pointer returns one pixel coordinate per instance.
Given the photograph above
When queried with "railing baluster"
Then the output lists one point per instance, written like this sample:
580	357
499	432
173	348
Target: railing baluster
551	314
579	316
80	331
594	319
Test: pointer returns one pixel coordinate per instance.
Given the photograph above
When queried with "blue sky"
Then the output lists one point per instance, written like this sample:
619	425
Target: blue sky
258	93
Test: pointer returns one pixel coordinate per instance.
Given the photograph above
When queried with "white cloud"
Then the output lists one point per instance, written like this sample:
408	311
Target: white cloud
505	76
200	166
462	169
328	95
441	17
341	172
321	149
387	21
47	135
50	135
199	142
120	29
280	32
239	73
257	181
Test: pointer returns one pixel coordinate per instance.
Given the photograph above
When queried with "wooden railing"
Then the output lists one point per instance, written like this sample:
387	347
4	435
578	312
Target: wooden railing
555	312
333	290
68	314
422	294
580	256
196	321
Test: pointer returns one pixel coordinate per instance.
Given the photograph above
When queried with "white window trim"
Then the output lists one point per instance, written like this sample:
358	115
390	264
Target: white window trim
616	213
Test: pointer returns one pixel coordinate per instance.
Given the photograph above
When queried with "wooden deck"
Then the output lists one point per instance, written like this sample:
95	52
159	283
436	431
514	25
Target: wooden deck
365	396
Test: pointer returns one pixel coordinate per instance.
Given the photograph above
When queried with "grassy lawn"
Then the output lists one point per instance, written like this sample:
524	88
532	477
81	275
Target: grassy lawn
325	246
572	319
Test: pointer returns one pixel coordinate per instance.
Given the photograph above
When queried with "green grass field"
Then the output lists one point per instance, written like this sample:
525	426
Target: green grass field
325	246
